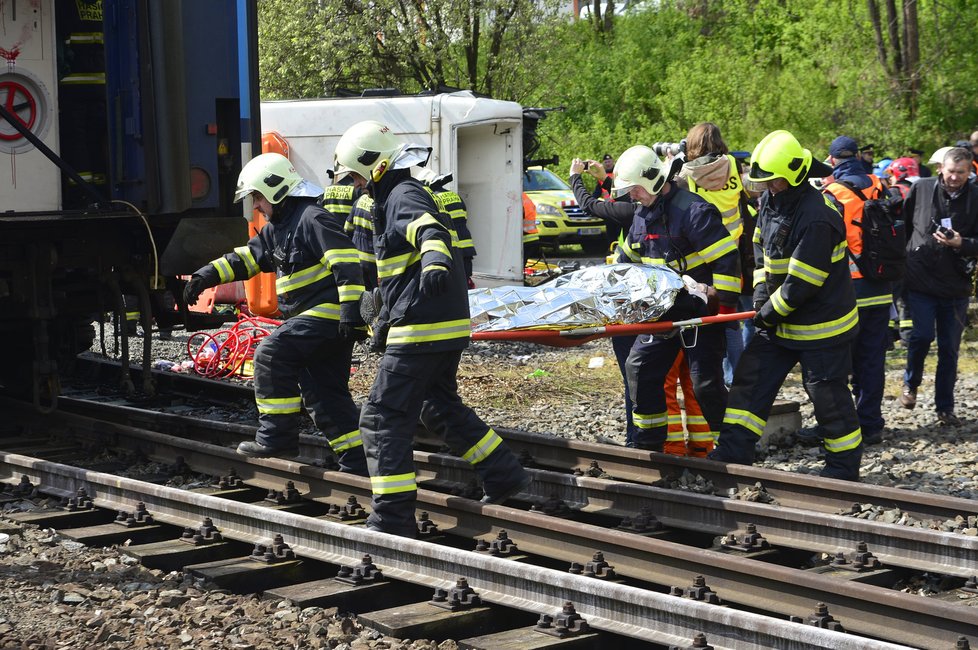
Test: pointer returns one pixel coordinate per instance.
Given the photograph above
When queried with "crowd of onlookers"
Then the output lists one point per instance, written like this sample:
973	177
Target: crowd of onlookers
835	256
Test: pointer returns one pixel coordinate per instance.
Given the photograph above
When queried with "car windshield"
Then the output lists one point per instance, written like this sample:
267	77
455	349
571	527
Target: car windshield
535	180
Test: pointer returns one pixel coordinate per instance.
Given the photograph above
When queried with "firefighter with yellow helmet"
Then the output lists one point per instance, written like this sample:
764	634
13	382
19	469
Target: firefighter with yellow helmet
806	311
423	289
305	361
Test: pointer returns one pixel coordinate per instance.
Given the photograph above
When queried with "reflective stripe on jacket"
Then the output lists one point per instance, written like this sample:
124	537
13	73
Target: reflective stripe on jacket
805	286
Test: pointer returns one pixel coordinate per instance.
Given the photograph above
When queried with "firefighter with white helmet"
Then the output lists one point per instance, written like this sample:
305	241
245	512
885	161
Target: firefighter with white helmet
425	302
674	227
318	283
806	311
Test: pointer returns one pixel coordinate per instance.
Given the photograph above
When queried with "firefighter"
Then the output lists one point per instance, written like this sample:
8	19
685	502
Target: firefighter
806	311
339	198
452	204
306	359
674	227
359	226
422	283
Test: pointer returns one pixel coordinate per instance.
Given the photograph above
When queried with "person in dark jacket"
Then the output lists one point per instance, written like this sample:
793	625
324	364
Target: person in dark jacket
849	191
425	302
318	284
673	227
939	280
806	311
618	216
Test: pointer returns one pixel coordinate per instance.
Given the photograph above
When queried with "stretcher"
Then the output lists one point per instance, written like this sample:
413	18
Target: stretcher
565	338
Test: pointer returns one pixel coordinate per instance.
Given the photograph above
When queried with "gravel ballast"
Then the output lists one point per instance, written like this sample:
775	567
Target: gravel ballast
55	593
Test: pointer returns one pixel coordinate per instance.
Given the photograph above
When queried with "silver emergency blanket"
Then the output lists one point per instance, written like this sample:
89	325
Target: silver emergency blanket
612	294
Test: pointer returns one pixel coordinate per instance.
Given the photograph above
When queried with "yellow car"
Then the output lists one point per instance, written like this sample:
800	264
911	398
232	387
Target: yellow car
559	219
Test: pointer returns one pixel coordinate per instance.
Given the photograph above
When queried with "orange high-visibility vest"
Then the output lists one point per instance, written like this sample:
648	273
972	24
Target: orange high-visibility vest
852	206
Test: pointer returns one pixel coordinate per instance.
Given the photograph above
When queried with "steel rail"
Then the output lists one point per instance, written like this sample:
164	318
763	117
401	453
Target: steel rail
606	606
790	489
897	546
873	611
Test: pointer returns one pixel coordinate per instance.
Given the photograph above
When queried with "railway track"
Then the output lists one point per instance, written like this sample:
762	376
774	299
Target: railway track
665	550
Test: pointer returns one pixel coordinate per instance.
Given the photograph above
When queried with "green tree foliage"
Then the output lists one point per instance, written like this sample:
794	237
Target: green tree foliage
753	66
897	73
312	48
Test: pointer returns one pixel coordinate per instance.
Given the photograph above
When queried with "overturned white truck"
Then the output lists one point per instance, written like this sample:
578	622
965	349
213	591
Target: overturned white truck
478	139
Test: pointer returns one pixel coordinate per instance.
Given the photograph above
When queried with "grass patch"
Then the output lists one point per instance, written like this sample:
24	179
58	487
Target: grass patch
563	381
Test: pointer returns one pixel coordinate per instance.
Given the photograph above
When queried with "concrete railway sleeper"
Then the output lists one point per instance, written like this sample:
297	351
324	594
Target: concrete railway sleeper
863	609
604	605
896	546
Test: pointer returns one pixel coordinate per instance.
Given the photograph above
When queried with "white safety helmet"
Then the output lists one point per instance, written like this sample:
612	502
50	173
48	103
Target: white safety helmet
269	173
367	148
638	165
938	156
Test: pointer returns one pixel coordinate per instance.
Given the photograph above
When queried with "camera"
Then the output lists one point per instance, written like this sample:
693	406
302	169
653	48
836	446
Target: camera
665	149
947	232
587	165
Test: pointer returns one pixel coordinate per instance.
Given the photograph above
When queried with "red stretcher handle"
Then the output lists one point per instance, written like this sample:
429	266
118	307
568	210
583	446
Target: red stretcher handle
569	338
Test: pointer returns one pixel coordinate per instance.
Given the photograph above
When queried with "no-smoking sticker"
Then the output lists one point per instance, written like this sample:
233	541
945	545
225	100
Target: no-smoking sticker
20	102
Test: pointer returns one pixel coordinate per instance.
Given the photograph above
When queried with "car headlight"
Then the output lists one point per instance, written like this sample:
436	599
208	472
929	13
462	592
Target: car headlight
548	210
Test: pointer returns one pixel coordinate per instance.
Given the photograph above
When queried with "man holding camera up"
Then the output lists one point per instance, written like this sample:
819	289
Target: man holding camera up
943	212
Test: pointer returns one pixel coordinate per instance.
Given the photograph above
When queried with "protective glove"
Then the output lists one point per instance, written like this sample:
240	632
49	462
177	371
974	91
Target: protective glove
351	327
194	287
378	342
435	280
765	317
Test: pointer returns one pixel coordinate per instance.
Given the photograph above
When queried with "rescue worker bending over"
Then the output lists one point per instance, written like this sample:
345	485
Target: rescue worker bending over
806	311
674	227
423	287
306	359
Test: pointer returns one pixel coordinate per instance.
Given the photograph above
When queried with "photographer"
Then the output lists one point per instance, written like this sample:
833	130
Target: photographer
618	215
943	211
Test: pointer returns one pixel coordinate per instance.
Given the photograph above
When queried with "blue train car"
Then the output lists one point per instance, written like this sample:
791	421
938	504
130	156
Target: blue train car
123	126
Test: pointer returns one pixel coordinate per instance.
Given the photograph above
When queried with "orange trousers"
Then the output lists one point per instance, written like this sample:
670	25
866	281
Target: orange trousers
700	438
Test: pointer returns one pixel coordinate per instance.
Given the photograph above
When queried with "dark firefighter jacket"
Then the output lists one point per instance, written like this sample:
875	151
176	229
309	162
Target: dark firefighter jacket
315	264
452	204
411	232
684	231
801	278
932	268
338	200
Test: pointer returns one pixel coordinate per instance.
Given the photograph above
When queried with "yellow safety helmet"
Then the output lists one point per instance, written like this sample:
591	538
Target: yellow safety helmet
638	165
779	155
367	148
269	173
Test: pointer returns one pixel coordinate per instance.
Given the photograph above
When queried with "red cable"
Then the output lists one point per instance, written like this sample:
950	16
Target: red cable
224	353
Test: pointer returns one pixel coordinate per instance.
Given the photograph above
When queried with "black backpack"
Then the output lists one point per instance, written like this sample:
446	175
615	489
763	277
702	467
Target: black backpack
884	237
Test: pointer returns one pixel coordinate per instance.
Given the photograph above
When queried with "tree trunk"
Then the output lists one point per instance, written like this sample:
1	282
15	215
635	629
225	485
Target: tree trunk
874	16
893	25
912	44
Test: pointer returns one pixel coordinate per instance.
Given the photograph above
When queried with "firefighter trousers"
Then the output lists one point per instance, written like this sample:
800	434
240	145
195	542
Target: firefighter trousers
303	361
412	386
757	380
700	441
648	364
